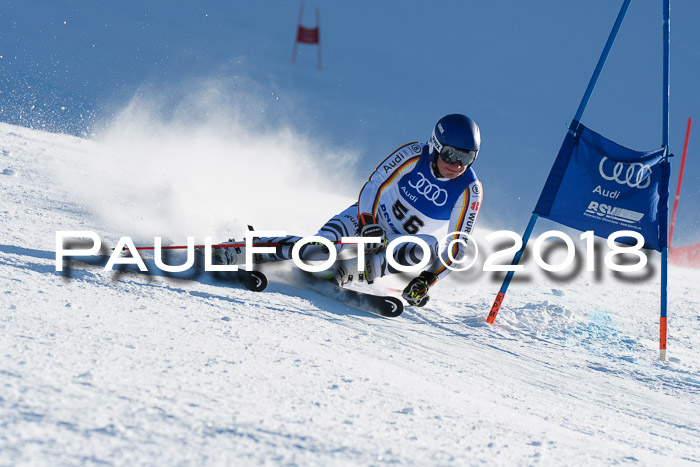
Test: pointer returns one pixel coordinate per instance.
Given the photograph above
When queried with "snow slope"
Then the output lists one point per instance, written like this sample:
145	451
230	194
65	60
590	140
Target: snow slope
107	368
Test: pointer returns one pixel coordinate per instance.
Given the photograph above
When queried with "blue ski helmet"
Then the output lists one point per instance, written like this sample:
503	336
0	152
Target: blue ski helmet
456	131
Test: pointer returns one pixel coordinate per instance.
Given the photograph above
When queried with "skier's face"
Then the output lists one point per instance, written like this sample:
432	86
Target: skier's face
450	170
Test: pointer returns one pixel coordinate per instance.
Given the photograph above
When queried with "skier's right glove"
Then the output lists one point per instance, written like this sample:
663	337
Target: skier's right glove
370	228
416	292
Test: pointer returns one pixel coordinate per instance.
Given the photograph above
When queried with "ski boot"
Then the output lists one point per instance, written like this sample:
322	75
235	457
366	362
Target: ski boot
346	270
233	255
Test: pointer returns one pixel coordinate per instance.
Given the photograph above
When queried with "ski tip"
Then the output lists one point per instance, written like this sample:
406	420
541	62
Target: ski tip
256	281
393	307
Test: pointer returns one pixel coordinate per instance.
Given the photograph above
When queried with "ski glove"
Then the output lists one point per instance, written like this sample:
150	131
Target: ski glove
416	292
370	228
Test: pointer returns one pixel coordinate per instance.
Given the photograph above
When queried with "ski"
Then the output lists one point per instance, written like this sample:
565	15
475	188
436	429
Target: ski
384	305
256	281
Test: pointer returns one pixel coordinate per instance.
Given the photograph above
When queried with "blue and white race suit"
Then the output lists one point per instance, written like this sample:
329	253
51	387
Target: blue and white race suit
407	198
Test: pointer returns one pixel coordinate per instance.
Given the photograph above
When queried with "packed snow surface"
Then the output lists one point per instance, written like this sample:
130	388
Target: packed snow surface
133	368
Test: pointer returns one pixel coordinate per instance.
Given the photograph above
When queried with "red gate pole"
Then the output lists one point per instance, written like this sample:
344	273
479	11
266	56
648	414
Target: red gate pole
680	181
318	28
296	39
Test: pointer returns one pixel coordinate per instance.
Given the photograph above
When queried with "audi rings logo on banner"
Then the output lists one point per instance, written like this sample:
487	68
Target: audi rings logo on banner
632	174
431	191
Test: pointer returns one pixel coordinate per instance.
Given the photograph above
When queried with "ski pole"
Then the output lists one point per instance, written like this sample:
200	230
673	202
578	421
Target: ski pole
234	245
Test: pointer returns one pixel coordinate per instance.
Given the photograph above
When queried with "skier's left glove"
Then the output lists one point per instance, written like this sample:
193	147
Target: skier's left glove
370	228
416	292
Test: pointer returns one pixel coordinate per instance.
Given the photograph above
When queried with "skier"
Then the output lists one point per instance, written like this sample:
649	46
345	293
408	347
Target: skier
419	190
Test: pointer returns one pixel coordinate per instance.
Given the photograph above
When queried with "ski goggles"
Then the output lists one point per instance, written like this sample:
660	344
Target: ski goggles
451	155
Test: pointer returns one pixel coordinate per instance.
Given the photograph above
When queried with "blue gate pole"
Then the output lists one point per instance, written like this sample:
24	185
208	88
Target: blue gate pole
572	128
599	66
664	131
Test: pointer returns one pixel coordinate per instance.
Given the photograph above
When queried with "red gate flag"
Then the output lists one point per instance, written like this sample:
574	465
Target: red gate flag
307	35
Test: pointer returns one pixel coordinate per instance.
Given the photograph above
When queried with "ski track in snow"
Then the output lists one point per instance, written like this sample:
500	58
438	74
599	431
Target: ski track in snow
107	368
